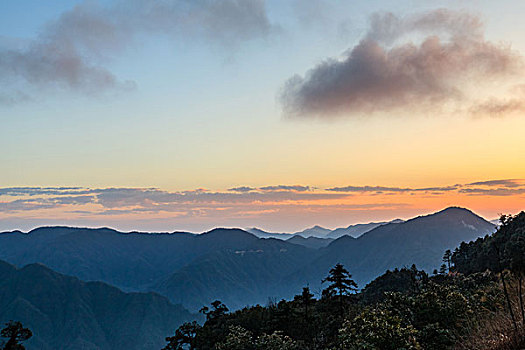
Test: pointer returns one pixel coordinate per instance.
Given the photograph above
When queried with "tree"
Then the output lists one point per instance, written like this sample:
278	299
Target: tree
306	298
184	336
446	258
275	341
15	334
341	284
238	338
218	310
443	269
377	329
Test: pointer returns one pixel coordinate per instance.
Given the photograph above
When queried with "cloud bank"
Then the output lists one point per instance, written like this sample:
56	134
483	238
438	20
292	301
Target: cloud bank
112	201
419	62
274	207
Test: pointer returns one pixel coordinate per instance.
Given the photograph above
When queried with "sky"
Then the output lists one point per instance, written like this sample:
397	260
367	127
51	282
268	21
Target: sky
280	114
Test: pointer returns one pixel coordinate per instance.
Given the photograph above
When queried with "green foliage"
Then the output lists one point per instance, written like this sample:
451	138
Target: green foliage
184	336
239	338
402	309
405	280
377	328
275	341
340	282
505	249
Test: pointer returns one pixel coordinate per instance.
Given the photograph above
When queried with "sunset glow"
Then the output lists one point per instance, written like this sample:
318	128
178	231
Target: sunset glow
126	116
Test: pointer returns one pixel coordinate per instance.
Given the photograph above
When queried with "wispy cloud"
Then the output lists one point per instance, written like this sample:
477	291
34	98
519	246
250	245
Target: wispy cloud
494	191
70	51
387	71
297	188
242	189
505	183
276	206
119	201
380	189
507	187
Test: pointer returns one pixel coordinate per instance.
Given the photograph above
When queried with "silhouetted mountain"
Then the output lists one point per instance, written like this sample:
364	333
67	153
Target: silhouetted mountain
233	265
419	241
263	234
358	229
66	313
310	242
130	261
237	277
316	231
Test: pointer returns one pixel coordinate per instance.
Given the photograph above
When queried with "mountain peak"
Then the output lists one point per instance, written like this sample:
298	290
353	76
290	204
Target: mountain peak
228	232
455	208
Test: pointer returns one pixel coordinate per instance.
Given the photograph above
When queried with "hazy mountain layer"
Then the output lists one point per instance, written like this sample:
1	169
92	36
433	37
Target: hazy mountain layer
419	241
66	313
233	265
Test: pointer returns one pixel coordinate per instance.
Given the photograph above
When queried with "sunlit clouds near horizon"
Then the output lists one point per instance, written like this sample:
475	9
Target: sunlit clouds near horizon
280	208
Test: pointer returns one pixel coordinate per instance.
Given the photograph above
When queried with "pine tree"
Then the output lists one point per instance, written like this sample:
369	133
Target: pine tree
341	284
305	298
15	334
446	258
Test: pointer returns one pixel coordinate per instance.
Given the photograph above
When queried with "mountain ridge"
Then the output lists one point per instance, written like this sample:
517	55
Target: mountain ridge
64	312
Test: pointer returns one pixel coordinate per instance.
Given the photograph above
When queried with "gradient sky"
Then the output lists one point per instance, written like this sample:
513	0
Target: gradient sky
281	114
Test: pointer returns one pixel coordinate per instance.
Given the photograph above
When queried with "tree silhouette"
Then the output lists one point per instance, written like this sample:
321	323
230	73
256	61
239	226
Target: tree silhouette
306	298
341	284
184	336
218	310
446	258
15	334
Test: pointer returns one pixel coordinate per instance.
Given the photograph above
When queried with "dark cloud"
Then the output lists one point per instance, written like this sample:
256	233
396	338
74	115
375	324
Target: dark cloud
241	189
69	52
493	191
44	203
113	198
38	191
380	189
199	202
297	188
387	71
499	107
505	183
25	205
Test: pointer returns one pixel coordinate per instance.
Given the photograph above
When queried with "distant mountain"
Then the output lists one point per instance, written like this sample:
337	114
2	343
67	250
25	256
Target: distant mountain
237	277
130	261
421	241
66	313
358	229
263	234
233	265
321	232
310	242
167	263
495	222
316	231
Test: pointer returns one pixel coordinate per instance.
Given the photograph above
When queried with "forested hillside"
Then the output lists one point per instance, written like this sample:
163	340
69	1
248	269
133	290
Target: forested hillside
65	313
473	302
234	265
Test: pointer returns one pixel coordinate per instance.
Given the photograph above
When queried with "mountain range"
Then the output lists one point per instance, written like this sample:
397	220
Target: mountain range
321	232
234	265
66	313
